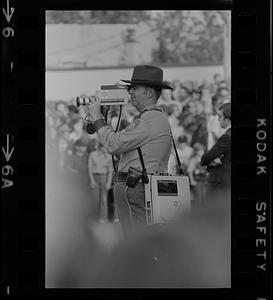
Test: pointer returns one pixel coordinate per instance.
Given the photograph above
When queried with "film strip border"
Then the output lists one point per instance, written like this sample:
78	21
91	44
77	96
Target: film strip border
251	152
23	150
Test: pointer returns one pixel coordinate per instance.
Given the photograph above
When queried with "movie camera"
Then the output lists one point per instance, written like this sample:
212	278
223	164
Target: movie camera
108	95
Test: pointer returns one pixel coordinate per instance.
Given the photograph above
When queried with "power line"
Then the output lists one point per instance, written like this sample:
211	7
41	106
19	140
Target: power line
112	47
80	46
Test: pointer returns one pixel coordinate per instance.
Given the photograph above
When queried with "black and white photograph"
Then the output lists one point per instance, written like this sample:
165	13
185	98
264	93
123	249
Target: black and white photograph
138	149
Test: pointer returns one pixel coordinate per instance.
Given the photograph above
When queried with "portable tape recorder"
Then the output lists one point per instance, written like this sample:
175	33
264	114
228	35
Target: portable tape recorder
166	197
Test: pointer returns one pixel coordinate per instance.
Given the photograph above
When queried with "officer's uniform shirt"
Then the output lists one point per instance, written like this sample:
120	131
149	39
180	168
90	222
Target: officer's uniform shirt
151	132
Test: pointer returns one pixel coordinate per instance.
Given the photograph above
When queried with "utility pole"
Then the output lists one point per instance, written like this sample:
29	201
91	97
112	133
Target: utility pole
130	54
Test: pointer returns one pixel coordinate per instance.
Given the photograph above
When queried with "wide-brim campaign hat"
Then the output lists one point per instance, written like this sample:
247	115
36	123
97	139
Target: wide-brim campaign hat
148	75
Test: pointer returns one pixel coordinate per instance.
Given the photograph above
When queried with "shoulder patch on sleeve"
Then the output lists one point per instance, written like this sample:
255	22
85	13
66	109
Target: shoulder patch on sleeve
133	125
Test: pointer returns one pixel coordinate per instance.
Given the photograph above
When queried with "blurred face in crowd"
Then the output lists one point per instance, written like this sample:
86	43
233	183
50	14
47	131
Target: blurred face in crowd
199	107
198	149
205	93
219	102
183	94
65	131
224	92
195	95
78	126
176	111
206	99
50	121
224	122
166	94
80	150
62	108
217	78
205	83
192	107
176	84
222	84
182	145
200	152
64	128
207	107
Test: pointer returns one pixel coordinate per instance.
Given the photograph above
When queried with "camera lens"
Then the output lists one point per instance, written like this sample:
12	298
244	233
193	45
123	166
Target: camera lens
78	102
82	101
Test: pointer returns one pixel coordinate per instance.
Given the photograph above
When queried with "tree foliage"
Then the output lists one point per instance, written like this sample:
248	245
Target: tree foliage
189	38
97	17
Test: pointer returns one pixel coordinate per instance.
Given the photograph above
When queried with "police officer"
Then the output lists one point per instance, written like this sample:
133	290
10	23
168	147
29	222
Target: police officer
150	131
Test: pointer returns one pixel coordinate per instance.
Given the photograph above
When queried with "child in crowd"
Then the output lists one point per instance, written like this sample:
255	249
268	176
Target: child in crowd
100	173
197	175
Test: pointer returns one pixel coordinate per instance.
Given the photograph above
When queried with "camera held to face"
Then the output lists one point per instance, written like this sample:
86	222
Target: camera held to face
108	95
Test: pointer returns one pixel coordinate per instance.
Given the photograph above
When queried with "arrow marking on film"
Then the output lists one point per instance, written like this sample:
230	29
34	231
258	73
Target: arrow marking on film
8	14
6	152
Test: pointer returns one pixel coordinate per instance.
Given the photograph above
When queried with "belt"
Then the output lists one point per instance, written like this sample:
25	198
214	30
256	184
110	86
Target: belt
100	174
122	176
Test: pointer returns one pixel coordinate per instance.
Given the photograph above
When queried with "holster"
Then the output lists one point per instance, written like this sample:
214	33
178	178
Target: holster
133	177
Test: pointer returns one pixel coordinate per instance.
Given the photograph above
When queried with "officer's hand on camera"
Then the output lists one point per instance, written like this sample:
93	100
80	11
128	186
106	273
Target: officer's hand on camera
94	109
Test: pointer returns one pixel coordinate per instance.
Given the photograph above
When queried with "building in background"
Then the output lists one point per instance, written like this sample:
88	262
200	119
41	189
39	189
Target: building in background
98	45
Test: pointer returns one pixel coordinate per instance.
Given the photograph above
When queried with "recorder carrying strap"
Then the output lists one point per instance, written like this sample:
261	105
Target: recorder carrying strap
181	172
145	178
144	173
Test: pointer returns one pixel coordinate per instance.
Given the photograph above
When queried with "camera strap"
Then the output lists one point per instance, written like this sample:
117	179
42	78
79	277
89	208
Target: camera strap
113	159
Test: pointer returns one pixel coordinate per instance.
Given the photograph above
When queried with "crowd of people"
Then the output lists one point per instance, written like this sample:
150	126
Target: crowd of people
191	108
